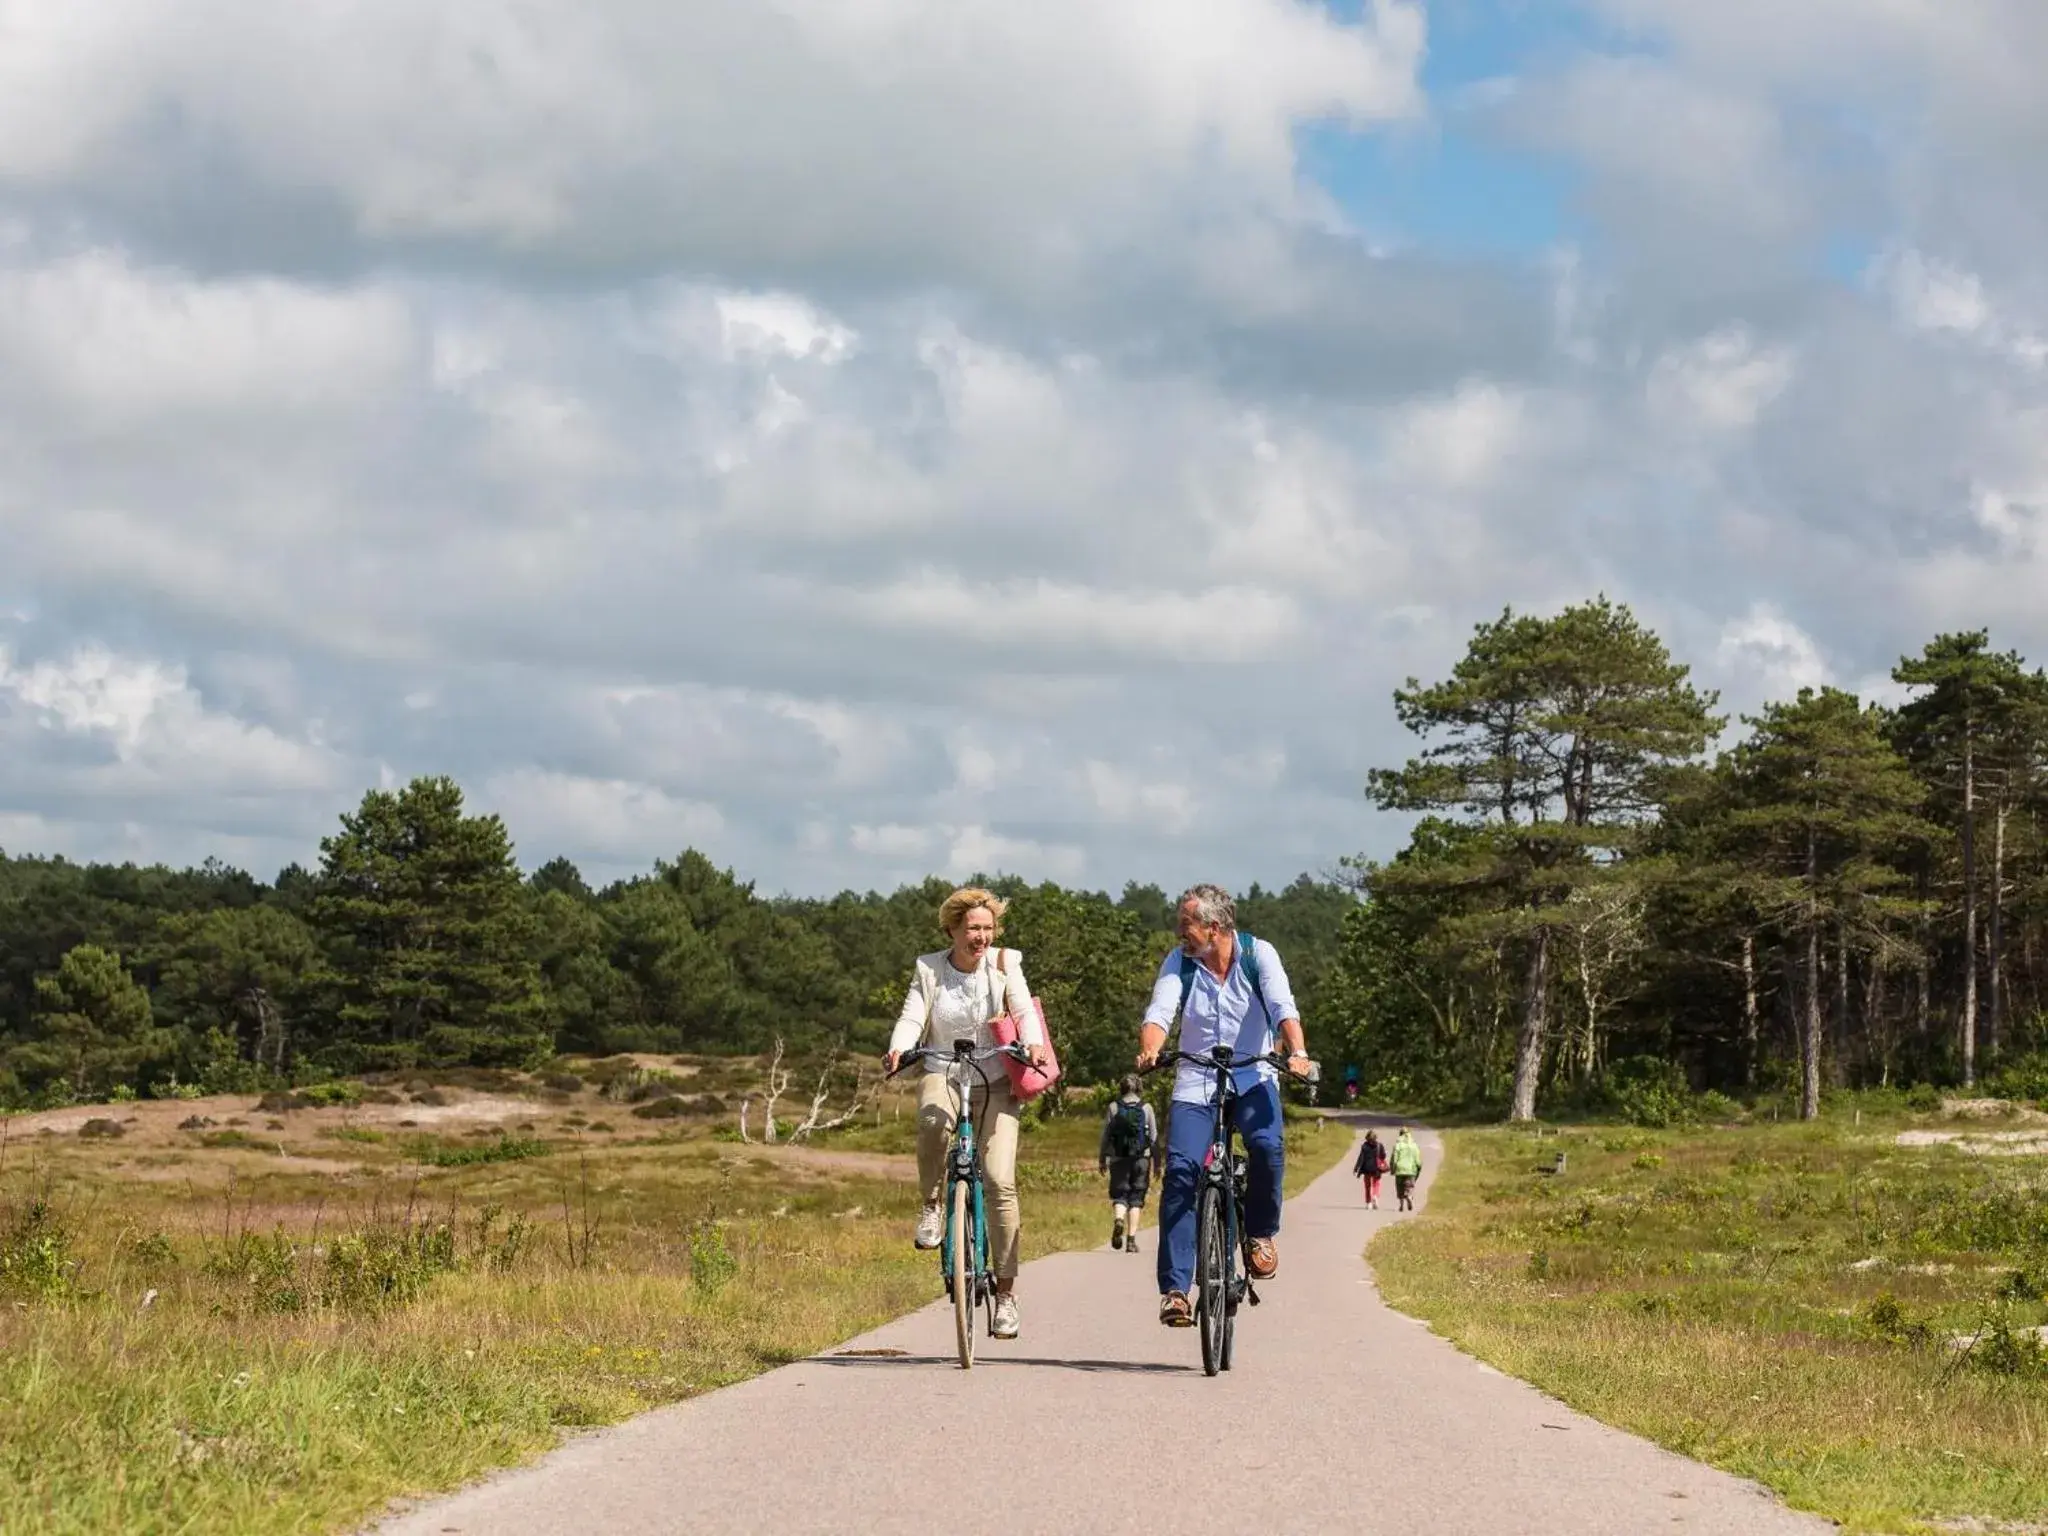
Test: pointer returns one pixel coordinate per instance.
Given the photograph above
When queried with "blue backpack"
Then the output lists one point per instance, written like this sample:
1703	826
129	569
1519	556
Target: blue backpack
1247	961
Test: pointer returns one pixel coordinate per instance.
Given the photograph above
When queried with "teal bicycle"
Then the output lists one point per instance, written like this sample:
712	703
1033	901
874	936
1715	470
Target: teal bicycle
963	1253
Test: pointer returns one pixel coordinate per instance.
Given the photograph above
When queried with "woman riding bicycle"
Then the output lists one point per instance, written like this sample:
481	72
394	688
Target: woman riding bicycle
955	994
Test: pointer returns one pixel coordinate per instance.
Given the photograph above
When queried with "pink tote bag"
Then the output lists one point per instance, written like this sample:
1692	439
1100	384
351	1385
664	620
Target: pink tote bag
1026	1081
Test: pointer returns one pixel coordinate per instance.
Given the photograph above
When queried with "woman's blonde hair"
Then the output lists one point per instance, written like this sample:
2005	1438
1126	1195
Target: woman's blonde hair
954	909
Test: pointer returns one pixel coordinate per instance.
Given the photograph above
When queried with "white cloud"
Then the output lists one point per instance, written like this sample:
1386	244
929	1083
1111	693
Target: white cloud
895	844
1463	441
977	850
1721	383
123	345
1932	295
1049	617
1770	655
781	324
1120	794
708	133
159	736
605	822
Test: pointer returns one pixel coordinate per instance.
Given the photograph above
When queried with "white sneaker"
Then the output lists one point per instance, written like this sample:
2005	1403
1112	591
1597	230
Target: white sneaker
1006	1325
931	1226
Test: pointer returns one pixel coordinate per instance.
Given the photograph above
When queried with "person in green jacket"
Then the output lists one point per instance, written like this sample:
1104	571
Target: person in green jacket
1406	1164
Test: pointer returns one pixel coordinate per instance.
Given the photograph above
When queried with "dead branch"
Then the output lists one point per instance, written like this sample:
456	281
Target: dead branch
862	1088
778	1084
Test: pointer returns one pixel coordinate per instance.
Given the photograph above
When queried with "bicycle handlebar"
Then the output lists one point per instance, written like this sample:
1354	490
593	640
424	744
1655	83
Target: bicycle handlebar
962	1051
1217	1060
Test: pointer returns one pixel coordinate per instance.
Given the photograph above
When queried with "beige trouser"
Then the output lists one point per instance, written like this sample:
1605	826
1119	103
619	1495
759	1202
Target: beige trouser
995	1127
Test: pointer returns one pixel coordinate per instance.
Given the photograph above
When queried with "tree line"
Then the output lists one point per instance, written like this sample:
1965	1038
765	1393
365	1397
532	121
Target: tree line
1848	893
1610	889
416	943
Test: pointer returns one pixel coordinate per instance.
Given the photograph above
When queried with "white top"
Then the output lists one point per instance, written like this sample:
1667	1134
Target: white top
945	1004
1223	1012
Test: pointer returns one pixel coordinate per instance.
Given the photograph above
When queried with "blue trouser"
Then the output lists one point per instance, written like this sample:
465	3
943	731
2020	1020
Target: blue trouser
1256	1114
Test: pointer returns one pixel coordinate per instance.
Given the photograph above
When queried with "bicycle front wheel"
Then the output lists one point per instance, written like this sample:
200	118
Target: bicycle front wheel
1212	1279
963	1272
1233	1285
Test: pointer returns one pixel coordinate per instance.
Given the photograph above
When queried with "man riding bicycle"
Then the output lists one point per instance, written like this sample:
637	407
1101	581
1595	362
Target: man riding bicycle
1226	992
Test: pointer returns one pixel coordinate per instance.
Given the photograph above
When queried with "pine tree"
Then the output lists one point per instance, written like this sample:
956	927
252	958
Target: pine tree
1555	734
429	936
1821	800
92	1027
1960	725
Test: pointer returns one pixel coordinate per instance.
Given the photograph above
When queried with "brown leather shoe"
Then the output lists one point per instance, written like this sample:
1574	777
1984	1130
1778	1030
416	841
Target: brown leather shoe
1262	1258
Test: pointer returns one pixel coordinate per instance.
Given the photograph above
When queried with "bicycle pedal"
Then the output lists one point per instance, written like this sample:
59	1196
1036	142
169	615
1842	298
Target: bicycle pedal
1251	1295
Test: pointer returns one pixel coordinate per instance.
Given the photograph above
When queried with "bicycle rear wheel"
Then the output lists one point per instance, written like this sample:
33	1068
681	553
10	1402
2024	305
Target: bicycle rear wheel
1233	1285
963	1272
1212	1304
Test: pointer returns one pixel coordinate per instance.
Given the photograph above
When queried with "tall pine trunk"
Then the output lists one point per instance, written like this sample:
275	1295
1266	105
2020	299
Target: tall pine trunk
1923	965
1809	1035
1995	1021
1875	1031
1751	1030
1842	1021
1969	1019
1529	1049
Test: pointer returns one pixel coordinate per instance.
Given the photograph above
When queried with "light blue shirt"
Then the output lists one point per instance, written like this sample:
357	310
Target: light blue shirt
1223	1012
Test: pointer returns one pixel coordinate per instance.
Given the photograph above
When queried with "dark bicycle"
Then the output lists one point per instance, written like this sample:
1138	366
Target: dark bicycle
1222	1270
964	1254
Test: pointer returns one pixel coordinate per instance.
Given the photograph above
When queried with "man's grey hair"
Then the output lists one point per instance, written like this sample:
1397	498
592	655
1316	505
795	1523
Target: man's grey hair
1212	905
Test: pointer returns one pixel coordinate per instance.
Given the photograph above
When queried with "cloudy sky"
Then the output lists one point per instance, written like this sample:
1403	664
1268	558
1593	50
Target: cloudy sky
860	438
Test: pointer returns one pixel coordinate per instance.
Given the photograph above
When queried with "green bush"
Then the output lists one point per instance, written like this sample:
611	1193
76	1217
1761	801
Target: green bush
1886	1318
153	1251
1716	1108
503	1150
2026	1078
326	1095
2002	1350
378	1266
712	1264
1649	1091
35	1253
264	1268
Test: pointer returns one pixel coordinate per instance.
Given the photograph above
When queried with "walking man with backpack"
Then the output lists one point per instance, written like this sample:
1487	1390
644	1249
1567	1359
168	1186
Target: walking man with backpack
1221	988
1130	1138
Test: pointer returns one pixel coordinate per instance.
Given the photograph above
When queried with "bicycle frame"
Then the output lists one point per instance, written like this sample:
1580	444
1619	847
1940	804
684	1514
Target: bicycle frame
1225	1169
964	1168
963	1162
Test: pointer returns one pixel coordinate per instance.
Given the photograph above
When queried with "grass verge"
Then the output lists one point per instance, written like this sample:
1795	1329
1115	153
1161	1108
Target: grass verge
1780	1301
220	1340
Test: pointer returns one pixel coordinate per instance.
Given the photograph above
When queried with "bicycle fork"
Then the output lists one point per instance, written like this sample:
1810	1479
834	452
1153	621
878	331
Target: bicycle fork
962	1170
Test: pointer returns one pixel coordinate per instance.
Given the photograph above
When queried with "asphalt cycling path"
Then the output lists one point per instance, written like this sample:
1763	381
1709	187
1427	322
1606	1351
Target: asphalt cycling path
1339	1414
